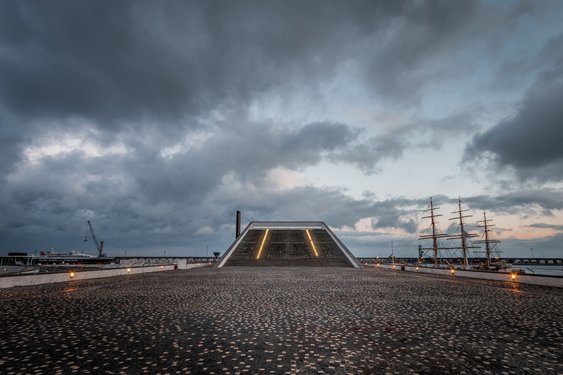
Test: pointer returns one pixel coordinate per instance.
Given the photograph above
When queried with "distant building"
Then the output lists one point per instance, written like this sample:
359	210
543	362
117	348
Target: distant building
288	243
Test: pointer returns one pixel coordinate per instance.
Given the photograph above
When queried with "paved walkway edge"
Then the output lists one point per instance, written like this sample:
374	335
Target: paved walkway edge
498	276
47	278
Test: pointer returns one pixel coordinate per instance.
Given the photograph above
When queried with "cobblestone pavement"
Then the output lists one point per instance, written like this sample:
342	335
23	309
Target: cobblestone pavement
281	320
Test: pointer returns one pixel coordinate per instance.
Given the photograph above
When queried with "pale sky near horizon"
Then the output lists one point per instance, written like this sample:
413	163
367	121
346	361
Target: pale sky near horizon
158	120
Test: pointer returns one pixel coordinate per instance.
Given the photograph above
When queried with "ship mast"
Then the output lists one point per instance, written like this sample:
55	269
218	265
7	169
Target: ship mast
463	235
435	233
487	241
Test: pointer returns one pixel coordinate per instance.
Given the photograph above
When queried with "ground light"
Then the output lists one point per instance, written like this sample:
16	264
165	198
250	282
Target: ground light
312	243
262	244
513	276
72	274
128	270
417	268
452	271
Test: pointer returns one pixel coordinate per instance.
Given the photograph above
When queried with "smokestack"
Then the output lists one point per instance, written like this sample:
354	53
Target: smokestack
238	225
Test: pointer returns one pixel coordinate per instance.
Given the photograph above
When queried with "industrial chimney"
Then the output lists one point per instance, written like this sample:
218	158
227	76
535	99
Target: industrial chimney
238	225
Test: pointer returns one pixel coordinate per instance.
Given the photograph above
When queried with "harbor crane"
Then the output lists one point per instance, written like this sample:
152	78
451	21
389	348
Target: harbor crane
99	244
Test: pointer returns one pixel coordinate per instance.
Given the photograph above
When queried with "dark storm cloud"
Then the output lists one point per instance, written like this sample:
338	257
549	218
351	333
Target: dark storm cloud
248	151
146	75
141	193
368	154
11	140
558	228
530	141
518	202
135	222
391	214
123	65
303	203
330	205
424	134
126	61
417	36
426	43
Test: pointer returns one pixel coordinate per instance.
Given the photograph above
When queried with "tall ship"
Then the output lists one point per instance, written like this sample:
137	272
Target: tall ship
450	254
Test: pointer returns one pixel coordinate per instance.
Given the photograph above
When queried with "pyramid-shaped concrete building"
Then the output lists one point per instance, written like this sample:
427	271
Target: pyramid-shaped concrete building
288	243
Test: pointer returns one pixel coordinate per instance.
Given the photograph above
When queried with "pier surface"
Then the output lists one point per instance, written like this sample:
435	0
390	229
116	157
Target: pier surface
281	320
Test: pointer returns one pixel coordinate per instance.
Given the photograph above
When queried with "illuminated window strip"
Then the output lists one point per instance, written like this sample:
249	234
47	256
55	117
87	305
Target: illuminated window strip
262	244
312	243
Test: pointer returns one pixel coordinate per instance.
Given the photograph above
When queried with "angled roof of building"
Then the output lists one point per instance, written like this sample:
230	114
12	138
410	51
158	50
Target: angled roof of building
288	243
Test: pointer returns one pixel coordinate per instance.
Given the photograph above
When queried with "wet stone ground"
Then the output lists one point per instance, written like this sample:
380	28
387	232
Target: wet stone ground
281	320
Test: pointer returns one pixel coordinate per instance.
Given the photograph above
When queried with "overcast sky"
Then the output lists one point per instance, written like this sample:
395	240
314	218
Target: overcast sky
158	120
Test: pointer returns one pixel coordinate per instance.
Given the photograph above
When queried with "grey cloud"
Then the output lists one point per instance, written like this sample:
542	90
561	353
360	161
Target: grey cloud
330	205
144	194
130	65
146	74
367	245
518	202
123	67
422	134
248	150
547	226
125	61
398	213
530	141
367	155
542	247
428	42
400	69
127	219
11	144
390	215
508	75
130	214
133	61
445	128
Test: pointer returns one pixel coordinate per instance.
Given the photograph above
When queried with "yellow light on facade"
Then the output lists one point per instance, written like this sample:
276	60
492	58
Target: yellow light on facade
312	243
262	244
452	271
71	274
513	276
